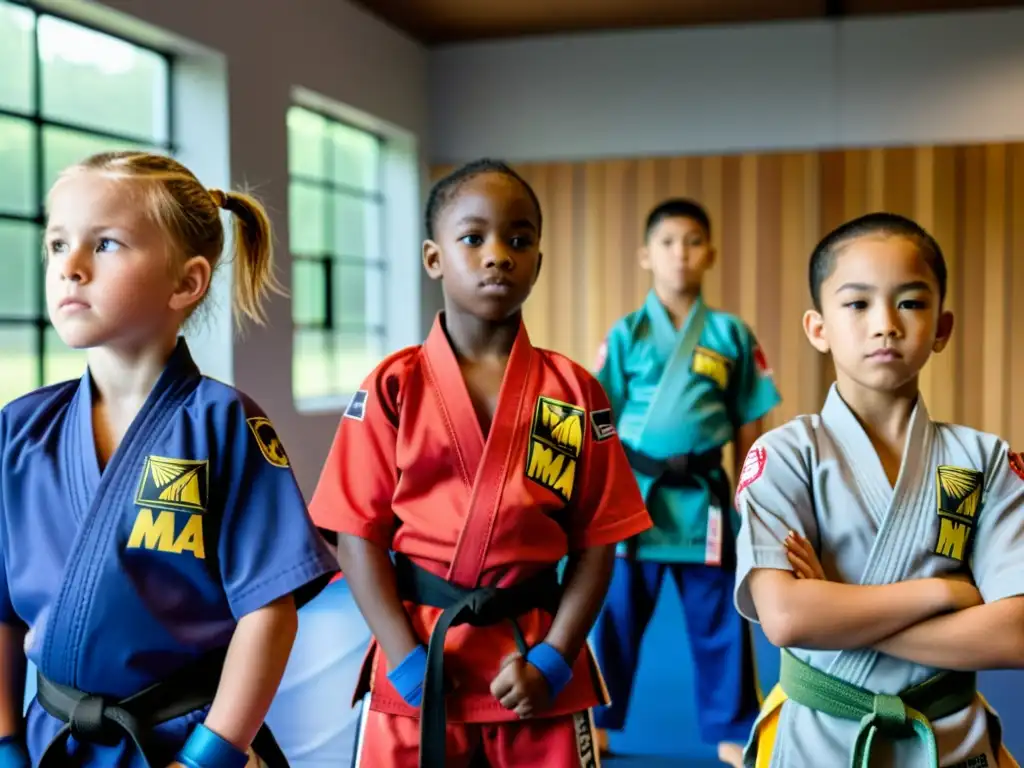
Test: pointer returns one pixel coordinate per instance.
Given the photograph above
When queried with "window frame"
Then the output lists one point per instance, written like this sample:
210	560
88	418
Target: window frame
41	321
327	260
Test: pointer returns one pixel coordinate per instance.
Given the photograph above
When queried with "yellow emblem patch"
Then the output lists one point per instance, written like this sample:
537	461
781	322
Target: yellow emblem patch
556	441
958	501
268	441
707	362
174	484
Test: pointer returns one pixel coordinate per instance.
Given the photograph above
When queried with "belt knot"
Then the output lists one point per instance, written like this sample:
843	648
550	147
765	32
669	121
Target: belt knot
889	716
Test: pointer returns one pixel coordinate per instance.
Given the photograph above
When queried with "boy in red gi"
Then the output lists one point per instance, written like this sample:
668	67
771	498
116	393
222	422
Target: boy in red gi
480	461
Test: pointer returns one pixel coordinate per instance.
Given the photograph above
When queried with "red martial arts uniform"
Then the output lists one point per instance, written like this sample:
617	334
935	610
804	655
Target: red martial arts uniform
411	471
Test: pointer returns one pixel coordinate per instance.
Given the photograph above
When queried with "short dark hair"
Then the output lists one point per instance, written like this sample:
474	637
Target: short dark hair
823	260
677	208
444	190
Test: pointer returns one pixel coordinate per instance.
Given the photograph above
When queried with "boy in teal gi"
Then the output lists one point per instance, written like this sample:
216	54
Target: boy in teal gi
684	380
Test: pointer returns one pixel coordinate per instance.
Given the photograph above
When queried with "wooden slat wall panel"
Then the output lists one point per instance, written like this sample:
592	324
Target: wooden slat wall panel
939	201
995	352
1015	240
767	212
970	276
539	311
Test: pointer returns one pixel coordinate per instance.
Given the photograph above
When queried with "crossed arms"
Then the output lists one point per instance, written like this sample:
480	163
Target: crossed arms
935	622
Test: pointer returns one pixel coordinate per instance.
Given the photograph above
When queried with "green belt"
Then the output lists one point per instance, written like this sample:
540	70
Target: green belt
908	714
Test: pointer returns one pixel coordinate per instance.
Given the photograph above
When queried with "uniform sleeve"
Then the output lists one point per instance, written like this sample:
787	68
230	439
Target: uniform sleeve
753	391
609	368
267	545
997	561
357	484
7	612
773	497
609	507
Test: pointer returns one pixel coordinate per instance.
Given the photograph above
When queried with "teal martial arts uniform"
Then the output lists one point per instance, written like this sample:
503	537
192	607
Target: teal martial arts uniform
678	396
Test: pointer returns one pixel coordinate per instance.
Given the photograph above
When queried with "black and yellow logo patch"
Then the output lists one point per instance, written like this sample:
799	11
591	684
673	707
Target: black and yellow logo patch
174	484
556	441
958	501
711	364
268	441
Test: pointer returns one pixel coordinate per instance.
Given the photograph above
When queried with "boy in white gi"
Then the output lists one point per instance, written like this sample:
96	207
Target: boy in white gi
896	518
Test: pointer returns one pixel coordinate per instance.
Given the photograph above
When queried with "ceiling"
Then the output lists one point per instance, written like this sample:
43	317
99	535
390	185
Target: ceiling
445	21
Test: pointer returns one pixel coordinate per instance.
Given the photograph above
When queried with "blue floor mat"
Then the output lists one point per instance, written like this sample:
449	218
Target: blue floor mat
662	721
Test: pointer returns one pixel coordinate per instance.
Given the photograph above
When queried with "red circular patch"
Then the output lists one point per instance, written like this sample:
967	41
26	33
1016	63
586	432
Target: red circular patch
753	467
761	361
1017	464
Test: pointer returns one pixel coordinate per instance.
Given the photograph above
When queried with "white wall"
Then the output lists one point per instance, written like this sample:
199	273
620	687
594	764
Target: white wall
249	55
894	80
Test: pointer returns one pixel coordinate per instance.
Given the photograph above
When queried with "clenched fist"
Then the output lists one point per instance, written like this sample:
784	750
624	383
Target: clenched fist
520	686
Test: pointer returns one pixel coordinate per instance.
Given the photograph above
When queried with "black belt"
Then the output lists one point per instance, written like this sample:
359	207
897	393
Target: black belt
479	607
676	471
97	720
686	471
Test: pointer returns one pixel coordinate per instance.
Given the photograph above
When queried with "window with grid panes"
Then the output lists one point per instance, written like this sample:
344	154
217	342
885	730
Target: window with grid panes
336	214
66	92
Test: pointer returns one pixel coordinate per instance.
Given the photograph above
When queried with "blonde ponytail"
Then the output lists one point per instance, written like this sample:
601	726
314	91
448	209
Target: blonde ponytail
253	257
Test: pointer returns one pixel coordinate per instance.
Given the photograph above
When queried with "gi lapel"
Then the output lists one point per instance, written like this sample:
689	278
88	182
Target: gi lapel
90	553
893	551
78	451
678	348
894	509
449	388
860	457
485	465
902	513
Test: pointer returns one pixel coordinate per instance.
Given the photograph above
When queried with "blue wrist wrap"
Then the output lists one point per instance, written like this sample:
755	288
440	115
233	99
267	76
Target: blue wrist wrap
550	663
13	753
407	677
205	749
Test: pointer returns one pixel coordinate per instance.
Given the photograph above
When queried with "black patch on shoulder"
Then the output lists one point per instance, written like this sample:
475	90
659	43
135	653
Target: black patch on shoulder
357	406
601	421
